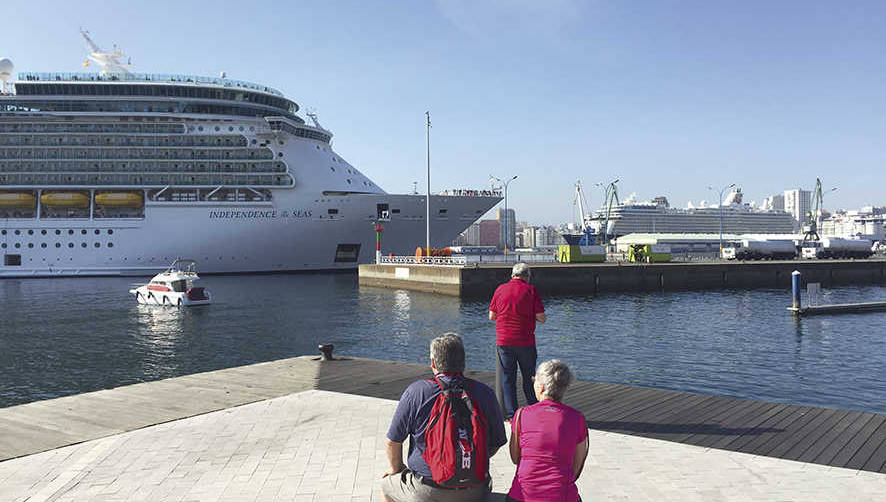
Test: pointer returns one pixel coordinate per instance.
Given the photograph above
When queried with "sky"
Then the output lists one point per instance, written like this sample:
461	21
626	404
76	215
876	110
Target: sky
669	97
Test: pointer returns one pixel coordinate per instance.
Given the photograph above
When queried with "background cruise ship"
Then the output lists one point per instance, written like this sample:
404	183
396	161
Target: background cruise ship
121	173
658	217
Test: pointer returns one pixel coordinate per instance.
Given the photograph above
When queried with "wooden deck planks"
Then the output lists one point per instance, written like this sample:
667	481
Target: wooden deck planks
811	434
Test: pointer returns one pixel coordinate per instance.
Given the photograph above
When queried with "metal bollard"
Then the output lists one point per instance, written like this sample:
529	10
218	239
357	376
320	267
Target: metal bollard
326	350
795	289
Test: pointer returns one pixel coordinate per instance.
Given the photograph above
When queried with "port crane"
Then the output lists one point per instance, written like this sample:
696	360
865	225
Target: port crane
813	216
610	195
587	234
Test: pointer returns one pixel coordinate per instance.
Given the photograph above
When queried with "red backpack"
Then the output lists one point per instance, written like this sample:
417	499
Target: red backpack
455	438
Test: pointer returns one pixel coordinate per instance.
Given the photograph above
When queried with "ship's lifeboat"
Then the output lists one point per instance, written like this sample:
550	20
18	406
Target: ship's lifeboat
119	199
65	199
17	199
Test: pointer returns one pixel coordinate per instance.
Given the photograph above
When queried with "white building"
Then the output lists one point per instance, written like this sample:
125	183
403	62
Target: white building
774	203
797	203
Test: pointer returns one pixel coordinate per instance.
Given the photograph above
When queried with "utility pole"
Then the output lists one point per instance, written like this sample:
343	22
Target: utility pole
428	201
505	185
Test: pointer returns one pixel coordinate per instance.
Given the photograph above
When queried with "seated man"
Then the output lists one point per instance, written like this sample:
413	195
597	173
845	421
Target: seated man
416	483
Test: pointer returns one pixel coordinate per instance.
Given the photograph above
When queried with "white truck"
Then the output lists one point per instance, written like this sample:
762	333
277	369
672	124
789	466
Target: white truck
836	247
749	249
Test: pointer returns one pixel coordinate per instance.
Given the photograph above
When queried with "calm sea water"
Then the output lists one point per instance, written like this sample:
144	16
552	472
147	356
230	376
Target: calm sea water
66	336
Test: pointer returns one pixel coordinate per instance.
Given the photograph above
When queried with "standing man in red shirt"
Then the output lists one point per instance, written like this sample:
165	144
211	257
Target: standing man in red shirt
515	308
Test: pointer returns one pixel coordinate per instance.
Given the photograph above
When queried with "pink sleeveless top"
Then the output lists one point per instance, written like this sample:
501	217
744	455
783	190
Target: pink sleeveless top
549	434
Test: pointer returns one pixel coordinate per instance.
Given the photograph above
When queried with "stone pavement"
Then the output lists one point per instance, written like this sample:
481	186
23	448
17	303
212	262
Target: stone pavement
326	446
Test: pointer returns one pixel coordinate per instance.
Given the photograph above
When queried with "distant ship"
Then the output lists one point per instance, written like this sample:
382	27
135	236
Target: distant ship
117	173
657	216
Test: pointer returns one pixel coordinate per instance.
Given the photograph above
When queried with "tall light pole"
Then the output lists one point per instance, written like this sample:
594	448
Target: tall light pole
720	206
428	200
505	185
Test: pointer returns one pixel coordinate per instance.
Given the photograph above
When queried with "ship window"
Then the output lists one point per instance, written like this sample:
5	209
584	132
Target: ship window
70	232
110	232
43	245
443	211
30	232
3	245
83	231
97	231
18	232
3	232
395	211
97	245
12	260
70	244
58	244
30	244
332	211
17	245
346	253
110	244
58	232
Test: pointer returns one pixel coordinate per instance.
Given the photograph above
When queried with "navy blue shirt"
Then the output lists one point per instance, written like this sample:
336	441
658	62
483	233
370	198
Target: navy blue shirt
414	410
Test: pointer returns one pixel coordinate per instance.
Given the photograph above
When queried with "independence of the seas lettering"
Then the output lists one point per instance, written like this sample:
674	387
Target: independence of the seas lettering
260	215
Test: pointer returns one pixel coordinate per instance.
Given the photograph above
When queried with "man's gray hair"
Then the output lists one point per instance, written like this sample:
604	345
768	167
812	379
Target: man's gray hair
555	376
520	270
448	353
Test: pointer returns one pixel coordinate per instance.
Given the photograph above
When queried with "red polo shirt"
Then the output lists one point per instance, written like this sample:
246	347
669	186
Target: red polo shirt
515	304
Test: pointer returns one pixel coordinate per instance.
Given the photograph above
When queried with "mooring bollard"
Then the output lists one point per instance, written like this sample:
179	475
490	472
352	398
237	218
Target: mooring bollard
795	290
326	350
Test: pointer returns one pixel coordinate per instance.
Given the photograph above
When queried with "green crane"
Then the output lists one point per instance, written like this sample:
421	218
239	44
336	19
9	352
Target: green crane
610	196
813	216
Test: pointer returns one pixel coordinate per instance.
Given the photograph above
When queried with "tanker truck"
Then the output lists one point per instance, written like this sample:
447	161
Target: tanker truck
748	249
835	247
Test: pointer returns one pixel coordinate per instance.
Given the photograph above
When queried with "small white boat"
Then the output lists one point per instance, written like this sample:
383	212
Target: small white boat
174	287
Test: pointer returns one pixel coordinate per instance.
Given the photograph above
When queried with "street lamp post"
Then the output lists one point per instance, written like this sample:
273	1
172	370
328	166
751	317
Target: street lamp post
505	185
720	207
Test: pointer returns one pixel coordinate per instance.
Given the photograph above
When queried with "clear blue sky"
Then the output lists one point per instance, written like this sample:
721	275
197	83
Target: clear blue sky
668	96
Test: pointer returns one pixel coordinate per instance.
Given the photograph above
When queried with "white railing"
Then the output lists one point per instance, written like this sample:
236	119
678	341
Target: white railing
423	260
459	192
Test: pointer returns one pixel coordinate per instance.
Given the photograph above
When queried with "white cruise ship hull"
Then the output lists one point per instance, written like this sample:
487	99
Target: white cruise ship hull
291	233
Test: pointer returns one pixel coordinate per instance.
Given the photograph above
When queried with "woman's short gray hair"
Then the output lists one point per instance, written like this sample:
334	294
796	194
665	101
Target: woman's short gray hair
448	353
555	376
520	270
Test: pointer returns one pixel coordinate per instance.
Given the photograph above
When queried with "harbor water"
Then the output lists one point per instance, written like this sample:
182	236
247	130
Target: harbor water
65	336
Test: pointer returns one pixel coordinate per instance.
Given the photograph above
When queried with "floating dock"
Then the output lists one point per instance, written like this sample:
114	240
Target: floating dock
480	280
840	308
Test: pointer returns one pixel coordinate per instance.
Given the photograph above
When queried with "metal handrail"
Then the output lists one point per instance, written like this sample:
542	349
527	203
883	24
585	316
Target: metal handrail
423	260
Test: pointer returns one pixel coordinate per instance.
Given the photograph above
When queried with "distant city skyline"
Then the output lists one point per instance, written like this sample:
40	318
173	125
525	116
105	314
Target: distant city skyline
670	97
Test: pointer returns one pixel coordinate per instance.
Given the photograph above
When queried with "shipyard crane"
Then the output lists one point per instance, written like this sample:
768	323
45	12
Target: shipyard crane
813	216
587	237
610	195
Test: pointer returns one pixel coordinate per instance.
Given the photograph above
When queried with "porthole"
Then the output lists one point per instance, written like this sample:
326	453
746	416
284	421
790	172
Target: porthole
251	128
30	245
70	232
18	232
17	245
110	244
58	244
97	231
349	182
70	244
3	232
110	231
82	244
231	129
217	128
241	128
58	232
43	232
3	245
83	231
279	154
332	168
43	245
97	245
200	128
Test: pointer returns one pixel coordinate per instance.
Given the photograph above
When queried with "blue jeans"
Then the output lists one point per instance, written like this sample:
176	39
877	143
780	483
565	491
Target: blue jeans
509	357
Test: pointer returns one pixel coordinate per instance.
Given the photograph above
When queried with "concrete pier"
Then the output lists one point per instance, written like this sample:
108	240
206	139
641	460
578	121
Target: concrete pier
480	280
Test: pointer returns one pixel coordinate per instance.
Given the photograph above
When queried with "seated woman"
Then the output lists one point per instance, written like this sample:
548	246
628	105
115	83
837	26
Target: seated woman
549	441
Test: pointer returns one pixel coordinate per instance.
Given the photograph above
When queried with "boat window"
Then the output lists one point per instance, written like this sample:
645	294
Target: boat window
12	260
179	286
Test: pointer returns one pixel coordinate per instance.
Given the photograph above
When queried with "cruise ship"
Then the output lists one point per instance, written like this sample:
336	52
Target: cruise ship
657	216
120	173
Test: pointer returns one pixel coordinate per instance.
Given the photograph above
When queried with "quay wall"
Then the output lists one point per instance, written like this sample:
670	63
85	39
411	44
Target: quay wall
563	279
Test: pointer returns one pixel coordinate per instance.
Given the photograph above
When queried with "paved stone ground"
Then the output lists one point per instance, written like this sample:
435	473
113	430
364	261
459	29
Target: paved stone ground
326	446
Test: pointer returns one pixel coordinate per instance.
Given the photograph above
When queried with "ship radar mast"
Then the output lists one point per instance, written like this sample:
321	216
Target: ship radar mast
109	61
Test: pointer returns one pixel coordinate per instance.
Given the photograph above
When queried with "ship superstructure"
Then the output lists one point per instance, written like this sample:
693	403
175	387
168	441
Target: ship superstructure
121	173
658	217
